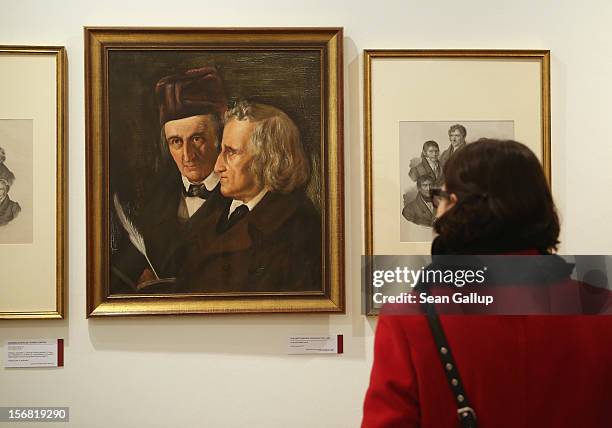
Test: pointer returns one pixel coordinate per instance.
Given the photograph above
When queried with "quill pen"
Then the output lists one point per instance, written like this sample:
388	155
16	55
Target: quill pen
135	236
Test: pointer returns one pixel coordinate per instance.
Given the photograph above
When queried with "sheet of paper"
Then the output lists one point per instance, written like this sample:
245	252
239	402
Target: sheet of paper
315	345
34	353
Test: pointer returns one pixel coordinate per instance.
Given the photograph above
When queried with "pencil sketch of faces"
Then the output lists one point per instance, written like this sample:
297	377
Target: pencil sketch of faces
8	208
425	150
429	164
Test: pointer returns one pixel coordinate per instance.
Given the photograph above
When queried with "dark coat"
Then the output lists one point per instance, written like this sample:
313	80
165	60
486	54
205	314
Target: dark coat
168	240
517	371
275	247
448	153
6	174
8	210
418	212
423	168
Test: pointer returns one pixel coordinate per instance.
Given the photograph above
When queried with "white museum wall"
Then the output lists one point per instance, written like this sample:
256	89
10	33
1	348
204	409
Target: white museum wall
233	371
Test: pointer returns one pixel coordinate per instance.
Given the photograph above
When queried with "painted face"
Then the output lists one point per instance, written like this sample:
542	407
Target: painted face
456	138
432	153
234	163
192	145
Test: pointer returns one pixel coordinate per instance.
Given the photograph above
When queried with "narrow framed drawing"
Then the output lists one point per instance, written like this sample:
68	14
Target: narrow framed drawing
214	170
32	181
423	105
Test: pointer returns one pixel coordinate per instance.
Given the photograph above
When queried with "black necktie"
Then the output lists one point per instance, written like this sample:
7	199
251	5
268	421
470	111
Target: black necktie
198	190
234	218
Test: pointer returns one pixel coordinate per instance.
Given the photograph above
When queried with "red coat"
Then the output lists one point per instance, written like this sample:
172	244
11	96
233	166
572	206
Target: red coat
518	371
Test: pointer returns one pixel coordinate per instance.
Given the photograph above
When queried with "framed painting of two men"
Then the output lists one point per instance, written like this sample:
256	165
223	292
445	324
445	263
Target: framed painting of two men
215	171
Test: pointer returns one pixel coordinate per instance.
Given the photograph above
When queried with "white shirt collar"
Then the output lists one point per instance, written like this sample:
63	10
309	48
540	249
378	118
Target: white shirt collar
210	182
432	164
250	205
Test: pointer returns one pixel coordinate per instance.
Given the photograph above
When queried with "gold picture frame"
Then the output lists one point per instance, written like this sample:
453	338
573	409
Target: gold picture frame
417	96
33	138
149	54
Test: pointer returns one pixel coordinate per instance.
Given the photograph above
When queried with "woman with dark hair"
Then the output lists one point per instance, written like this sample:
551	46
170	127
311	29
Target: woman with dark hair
499	202
518	371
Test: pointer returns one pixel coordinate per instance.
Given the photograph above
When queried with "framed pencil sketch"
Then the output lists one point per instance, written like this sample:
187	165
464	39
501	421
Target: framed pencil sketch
423	105
32	181
214	170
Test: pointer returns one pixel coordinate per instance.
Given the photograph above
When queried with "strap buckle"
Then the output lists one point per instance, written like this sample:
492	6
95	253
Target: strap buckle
465	411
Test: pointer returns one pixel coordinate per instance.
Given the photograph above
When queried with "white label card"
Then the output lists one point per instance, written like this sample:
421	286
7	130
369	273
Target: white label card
315	345
34	353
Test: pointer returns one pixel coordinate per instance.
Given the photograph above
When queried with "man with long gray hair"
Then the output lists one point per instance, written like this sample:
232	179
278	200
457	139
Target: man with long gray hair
267	237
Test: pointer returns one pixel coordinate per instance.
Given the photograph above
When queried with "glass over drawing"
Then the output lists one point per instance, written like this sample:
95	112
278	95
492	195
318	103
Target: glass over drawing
425	147
16	177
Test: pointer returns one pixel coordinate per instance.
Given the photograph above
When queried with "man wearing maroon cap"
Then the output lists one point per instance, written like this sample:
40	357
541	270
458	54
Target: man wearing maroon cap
191	105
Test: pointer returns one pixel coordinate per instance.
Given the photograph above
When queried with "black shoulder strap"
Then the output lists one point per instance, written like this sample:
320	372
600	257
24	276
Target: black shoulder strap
466	414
